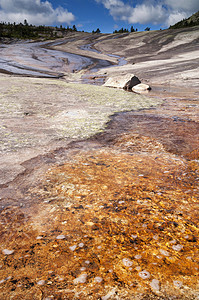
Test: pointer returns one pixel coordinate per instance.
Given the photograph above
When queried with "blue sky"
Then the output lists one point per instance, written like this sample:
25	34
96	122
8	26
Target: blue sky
107	15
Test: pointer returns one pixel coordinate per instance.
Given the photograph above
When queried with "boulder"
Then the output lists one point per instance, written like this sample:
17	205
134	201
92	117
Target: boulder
141	87
131	83
123	82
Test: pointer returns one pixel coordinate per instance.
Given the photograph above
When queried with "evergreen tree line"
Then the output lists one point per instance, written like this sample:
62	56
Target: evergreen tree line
123	30
29	31
185	23
26	31
96	31
189	22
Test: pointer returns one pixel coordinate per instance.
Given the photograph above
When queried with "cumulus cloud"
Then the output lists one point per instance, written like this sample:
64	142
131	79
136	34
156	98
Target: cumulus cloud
190	5
34	11
147	14
175	17
163	12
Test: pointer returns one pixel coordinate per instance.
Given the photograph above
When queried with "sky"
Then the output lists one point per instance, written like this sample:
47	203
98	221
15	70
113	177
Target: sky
107	15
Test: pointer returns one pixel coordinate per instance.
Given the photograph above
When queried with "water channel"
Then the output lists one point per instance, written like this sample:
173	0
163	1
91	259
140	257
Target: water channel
37	60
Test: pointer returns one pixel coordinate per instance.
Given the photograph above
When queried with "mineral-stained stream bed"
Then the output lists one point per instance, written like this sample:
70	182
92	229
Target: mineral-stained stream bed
114	218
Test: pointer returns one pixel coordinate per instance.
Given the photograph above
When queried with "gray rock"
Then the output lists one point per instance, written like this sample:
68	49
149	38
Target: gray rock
141	88
131	83
122	82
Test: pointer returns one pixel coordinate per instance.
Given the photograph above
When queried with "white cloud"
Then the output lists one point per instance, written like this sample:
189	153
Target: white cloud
175	17
144	14
163	12
117	8
34	11
190	5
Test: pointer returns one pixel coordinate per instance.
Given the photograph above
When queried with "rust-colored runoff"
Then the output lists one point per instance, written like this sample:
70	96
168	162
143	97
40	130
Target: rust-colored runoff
121	220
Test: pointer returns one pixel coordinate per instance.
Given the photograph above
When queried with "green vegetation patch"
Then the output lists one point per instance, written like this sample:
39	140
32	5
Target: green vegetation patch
96	105
40	111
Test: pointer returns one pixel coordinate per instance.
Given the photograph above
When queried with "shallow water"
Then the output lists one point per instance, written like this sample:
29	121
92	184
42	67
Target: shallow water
34	60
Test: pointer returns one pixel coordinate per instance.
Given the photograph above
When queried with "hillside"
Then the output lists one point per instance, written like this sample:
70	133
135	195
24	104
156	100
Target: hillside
189	22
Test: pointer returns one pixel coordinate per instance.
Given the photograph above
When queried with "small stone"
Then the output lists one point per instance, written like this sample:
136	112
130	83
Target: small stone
109	295
173	242
155	285
127	262
98	279
134	236
138	256
61	237
141	87
144	274
9	277
87	262
61	278
72	248
189	257
7	252
164	252
177	283
81	245
80	279
2	281
177	247
41	282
